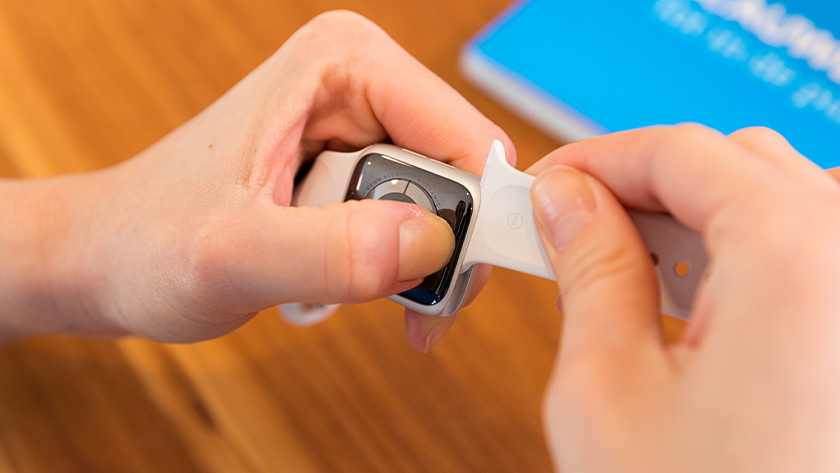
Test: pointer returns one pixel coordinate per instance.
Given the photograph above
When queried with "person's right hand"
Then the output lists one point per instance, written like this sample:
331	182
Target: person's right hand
754	385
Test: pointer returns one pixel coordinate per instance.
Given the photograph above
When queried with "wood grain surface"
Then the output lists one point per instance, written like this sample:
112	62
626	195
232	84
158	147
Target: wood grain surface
88	83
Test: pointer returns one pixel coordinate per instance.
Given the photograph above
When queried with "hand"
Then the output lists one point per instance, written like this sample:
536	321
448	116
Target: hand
192	237
753	385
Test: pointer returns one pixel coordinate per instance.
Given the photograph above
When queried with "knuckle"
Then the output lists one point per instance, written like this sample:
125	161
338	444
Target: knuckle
761	137
691	132
338	29
340	19
757	133
334	43
672	141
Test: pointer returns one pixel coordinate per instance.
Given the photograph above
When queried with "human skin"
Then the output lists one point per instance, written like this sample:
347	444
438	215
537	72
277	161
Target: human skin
753	384
189	239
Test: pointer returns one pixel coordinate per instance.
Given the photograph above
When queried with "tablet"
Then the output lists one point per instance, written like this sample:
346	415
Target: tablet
581	68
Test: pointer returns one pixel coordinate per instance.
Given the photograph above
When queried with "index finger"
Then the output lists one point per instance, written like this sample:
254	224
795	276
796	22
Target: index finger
766	222
371	89
688	170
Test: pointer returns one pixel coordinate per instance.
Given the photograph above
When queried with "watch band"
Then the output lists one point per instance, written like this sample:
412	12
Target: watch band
505	234
326	182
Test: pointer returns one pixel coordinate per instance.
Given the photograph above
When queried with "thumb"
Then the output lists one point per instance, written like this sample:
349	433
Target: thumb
358	251
350	252
606	279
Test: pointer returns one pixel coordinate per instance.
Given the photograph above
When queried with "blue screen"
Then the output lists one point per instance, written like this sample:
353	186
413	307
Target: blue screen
724	63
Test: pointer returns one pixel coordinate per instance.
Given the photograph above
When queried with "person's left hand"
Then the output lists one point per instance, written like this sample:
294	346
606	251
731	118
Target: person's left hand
189	239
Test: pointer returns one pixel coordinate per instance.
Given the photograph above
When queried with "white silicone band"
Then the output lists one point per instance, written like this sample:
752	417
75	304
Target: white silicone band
303	314
326	182
505	233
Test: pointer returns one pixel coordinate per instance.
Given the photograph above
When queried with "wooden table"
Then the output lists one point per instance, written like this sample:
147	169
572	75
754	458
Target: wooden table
88	83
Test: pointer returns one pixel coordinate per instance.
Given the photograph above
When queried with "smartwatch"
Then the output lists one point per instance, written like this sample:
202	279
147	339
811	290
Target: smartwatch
491	218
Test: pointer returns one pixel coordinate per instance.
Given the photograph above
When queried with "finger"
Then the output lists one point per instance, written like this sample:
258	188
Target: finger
371	88
772	146
750	210
604	273
384	92
343	253
689	170
424	331
834	173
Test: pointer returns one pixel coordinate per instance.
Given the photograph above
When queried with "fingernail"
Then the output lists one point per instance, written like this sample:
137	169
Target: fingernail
434	337
426	245
563	204
424	332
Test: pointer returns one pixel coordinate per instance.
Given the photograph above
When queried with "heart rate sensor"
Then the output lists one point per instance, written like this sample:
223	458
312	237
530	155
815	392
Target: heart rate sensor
402	190
491	218
381	176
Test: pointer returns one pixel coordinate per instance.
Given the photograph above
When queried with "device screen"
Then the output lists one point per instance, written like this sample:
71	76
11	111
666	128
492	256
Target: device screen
378	176
579	68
